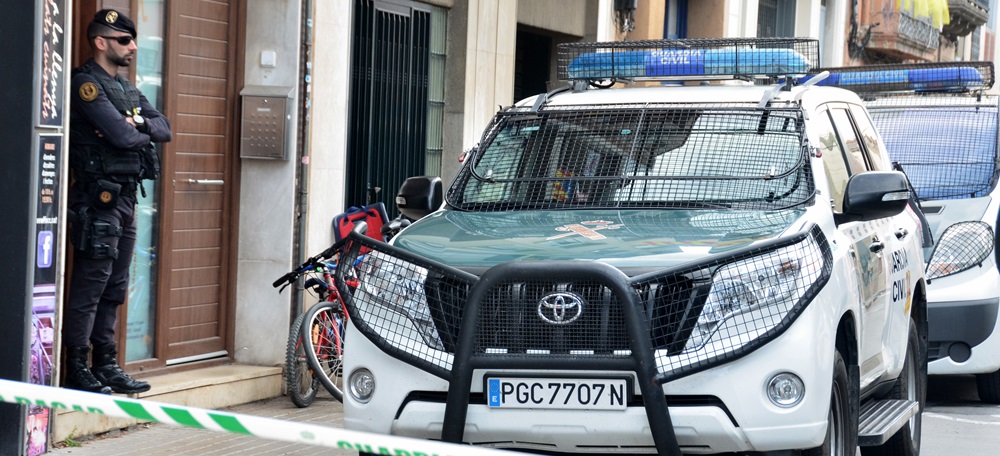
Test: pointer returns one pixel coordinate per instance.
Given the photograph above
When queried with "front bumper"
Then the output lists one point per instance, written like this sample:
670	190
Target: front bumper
429	378
962	312
723	409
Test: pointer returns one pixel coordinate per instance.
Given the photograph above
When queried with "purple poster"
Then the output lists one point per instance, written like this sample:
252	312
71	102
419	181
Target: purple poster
43	304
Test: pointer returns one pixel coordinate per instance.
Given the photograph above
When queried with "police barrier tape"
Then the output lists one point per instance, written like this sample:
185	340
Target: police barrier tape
213	420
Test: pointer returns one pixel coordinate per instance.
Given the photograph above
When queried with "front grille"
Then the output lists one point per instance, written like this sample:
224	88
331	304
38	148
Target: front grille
514	320
551	318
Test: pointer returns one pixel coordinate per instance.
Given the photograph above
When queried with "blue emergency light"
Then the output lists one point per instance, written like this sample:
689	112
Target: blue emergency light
926	77
677	58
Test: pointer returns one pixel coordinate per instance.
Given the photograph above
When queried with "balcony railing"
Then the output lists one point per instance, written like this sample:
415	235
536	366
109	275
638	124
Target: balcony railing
899	34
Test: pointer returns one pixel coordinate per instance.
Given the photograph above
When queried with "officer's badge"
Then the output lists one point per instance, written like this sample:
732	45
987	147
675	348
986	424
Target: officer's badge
111	17
88	91
105	197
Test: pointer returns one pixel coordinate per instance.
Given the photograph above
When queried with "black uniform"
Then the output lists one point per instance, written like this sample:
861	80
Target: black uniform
109	158
106	155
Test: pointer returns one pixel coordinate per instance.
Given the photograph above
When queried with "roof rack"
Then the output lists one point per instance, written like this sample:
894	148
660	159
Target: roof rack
687	59
948	77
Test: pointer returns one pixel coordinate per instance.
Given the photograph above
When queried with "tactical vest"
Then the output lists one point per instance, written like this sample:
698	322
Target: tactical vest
92	156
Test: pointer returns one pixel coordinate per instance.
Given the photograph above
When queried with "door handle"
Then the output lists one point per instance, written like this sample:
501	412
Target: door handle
876	246
901	233
206	181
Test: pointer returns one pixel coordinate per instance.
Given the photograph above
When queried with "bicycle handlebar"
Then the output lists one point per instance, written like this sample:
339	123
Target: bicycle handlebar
360	227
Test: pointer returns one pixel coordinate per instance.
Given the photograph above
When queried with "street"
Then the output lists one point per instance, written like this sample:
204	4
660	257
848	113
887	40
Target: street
956	422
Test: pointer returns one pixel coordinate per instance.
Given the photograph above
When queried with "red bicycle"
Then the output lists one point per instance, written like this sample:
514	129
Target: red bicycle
315	341
315	350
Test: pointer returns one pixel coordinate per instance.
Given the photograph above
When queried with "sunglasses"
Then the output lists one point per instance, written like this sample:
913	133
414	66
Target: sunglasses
122	40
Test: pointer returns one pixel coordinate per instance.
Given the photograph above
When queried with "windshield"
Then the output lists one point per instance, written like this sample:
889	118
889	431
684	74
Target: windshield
672	156
948	152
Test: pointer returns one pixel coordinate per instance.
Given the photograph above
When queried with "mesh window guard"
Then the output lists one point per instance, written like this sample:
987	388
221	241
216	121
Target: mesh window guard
731	156
946	144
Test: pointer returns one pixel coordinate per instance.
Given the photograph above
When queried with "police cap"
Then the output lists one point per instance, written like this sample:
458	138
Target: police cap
112	19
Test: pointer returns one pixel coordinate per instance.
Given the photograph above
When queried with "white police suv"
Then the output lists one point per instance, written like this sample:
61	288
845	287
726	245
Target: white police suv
695	268
939	123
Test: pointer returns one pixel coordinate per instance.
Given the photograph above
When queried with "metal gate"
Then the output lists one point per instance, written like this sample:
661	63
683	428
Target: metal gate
387	141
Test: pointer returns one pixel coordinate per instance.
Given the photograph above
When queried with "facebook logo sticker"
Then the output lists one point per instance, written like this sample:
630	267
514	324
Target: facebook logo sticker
494	392
44	255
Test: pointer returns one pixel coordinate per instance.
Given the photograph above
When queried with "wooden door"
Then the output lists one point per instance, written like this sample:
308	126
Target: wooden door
194	312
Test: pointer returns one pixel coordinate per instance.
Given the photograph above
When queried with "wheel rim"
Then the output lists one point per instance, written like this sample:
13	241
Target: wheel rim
835	430
325	335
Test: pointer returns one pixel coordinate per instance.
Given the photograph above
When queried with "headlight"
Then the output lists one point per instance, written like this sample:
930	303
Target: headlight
962	246
398	287
751	296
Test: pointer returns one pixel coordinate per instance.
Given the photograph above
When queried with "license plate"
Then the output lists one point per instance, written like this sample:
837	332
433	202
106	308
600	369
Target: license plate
557	393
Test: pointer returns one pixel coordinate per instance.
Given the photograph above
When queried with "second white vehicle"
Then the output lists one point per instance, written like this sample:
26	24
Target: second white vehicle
939	123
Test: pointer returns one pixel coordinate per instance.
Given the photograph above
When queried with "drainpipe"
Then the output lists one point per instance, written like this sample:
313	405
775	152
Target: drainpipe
305	92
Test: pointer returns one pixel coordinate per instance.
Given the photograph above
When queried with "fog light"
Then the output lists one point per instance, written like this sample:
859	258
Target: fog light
361	384
785	389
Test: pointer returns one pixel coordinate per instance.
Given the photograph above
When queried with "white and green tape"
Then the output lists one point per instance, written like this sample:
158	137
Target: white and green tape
214	420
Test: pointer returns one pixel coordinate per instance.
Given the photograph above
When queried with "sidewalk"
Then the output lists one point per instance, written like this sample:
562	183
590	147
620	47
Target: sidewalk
156	439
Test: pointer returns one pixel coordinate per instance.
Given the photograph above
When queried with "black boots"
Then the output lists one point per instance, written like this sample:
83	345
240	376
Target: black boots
78	377
106	376
107	371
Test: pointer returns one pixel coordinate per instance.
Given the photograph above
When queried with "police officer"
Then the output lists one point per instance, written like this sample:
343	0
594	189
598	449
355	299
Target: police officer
112	128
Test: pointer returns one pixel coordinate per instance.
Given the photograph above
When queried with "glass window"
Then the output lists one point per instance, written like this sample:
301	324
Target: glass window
879	161
837	173
141	320
435	90
849	141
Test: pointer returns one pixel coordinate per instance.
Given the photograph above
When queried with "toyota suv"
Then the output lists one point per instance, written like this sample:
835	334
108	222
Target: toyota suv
939	123
721	266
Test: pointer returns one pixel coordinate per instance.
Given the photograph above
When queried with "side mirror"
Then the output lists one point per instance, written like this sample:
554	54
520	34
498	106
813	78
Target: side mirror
419	196
873	195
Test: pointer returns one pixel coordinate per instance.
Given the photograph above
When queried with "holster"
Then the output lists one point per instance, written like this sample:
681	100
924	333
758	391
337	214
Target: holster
80	234
89	233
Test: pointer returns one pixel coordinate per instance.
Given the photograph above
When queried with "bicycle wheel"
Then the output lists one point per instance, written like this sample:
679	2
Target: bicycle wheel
300	381
324	346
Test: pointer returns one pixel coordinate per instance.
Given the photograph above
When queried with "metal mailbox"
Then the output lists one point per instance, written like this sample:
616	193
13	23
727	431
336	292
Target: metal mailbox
264	123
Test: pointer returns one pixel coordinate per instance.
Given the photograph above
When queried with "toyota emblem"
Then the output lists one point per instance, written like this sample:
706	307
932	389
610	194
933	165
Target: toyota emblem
560	308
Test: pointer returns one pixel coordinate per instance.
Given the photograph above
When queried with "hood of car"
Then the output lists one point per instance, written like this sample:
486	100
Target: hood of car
635	240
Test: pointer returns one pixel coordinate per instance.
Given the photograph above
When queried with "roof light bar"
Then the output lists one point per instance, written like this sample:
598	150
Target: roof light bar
717	58
915	77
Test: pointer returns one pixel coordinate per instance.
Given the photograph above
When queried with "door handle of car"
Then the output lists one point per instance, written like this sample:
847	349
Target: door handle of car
901	233
876	246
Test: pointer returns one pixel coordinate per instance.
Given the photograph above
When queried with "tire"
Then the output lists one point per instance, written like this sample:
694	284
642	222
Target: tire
911	385
324	345
840	440
300	382
989	387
